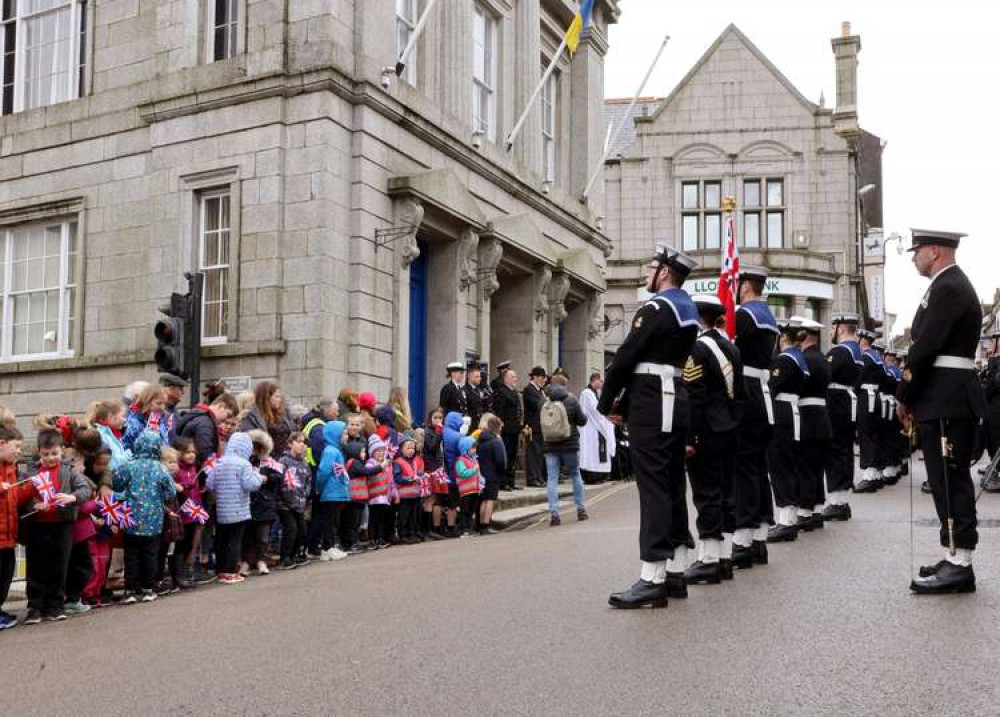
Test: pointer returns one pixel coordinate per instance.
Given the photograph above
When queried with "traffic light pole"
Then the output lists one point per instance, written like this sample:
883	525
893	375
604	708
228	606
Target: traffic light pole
196	285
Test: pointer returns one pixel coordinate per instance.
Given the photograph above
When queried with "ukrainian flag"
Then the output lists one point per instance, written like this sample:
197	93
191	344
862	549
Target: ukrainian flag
580	23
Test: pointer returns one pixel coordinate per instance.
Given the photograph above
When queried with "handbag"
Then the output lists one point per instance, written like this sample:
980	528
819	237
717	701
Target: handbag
173	526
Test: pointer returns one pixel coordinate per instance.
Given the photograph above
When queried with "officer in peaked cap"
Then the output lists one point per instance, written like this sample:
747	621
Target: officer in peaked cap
845	361
644	386
941	395
452	396
869	412
756	336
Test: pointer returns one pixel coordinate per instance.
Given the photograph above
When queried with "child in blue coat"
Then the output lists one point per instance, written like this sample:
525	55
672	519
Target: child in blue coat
334	500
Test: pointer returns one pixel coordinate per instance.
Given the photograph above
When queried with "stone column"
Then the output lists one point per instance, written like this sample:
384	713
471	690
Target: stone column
447	305
409	213
527	73
541	282
454	73
586	139
490	253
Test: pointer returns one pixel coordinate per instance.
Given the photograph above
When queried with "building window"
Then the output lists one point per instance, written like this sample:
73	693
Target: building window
484	56
701	218
39	283
214	238
764	213
549	98
224	25
43	50
780	306
406	21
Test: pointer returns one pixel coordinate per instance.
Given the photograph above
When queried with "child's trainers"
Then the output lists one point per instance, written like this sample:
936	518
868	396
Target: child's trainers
244	569
287	564
33	617
301	560
130	598
56	616
262	568
7	622
77	608
337	554
148	596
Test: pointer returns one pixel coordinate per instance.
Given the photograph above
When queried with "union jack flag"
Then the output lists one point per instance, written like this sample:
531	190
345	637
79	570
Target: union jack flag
153	422
729	277
45	487
340	472
127	520
291	482
195	511
110	509
209	463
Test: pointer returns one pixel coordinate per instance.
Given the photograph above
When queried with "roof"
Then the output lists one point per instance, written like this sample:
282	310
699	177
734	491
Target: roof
615	109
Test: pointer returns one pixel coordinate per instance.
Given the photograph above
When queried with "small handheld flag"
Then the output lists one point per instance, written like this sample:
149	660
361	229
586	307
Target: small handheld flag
195	511
45	487
290	481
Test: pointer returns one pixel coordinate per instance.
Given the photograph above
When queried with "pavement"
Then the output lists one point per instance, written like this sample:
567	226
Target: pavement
518	624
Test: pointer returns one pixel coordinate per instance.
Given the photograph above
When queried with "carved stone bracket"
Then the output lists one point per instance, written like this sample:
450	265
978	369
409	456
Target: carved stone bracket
409	215
467	244
541	293
490	253
558	290
595	322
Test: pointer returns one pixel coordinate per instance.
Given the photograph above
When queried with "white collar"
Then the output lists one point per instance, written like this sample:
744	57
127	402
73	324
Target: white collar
940	273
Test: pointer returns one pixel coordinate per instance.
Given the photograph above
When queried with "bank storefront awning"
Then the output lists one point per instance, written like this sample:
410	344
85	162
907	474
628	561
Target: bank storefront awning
777	285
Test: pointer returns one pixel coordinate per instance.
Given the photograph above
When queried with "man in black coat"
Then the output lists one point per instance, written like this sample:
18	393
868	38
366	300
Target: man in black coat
507	406
533	399
941	394
842	404
478	397
453	393
201	425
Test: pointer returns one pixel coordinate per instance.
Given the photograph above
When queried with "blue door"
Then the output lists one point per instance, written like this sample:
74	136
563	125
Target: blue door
560	359
418	335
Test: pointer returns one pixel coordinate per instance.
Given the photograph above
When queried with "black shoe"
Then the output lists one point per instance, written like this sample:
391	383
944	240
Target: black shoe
287	564
905	470
726	565
928	570
838	513
554	519
949	578
676	586
581	514
925	487
641	594
782	534
515	487
700	573
993	484
300	560
32	617
436	534
806	524
879	483
743	558
891	480
759	551
817	521
865	486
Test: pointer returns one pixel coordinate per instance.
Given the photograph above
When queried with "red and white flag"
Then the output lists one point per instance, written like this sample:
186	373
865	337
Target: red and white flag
45	487
729	277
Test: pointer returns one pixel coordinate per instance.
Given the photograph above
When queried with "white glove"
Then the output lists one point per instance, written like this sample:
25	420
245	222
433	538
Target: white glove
466	422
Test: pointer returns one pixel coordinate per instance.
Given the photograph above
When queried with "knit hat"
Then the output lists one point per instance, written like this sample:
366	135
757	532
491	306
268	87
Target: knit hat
366	402
374	444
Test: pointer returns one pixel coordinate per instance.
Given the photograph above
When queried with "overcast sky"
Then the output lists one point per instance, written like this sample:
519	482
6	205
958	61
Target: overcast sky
929	84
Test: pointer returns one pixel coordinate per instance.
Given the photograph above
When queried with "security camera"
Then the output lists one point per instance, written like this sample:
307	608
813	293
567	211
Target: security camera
387	73
477	139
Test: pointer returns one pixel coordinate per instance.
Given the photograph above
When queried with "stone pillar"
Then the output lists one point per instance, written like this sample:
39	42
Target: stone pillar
527	73
595	333
409	213
454	72
558	290
575	341
447	307
586	139
490	253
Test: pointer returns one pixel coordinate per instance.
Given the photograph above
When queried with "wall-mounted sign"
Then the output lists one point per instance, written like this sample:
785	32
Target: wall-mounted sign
778	285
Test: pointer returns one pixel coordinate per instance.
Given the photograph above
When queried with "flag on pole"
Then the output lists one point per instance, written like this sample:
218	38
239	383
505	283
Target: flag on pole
580	23
45	487
729	277
195	511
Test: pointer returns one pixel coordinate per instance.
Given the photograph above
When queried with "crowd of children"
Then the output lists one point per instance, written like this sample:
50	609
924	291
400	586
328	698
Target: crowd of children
183	499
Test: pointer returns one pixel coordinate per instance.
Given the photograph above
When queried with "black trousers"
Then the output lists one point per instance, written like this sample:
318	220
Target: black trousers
255	540
783	463
954	487
658	460
315	526
467	510
868	433
141	554
711	473
812	458
325	517
992	428
839	460
47	553
888	442
510	447
8	559
78	572
378	517
348	519
534	457
751	486
228	544
409	508
293	533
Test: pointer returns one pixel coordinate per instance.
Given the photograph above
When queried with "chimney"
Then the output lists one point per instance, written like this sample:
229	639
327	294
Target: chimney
845	51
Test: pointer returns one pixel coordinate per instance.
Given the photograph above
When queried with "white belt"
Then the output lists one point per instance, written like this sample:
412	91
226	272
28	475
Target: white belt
666	373
871	388
850	392
763	376
792	400
954	362
812	401
888	406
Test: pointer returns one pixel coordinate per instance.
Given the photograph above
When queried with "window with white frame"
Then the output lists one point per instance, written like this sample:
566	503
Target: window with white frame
214	238
39	288
406	21
484	71
43	51
224	26
764	213
701	215
549	99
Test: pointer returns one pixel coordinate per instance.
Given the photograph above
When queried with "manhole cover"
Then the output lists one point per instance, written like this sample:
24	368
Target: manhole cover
933	523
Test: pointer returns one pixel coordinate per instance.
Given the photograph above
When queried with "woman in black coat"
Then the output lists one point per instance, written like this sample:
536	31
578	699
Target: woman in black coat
493	466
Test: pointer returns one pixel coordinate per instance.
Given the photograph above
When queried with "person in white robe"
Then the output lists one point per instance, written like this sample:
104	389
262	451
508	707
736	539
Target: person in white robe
597	437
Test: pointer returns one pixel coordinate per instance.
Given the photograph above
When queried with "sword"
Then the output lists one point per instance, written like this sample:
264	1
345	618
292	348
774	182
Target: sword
911	435
947	488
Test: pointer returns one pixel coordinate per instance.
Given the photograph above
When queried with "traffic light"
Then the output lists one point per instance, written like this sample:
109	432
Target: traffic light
172	337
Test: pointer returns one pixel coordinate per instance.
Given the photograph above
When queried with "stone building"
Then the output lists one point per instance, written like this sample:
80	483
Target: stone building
354	229
736	127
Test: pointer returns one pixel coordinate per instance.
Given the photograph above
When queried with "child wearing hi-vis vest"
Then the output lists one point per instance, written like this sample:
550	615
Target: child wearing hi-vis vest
358	470
379	504
467	473
407	472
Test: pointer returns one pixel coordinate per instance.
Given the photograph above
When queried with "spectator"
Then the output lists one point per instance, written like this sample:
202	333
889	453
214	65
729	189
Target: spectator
146	414
507	405
232	480
12	497
453	393
597	438
268	414
401	409
493	466
534	454
347	402
108	417
561	418
204	425
173	393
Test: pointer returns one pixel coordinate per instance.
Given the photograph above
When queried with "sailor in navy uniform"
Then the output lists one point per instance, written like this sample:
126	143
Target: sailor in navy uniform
869	412
816	429
991	385
644	385
452	396
890	445
845	363
942	395
714	378
789	372
756	335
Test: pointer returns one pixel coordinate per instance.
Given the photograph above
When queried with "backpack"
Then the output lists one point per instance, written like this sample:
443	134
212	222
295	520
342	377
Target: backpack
555	421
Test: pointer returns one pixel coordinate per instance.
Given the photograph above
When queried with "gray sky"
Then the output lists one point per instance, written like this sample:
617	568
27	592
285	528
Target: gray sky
928	83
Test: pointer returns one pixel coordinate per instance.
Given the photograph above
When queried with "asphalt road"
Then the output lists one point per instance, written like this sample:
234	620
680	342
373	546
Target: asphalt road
518	624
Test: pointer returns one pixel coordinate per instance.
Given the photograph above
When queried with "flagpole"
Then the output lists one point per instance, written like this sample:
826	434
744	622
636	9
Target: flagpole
417	32
516	130
623	120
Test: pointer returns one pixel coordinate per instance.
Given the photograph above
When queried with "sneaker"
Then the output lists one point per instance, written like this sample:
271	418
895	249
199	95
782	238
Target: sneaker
205	576
262	568
148	596
337	554
555	520
355	550
301	560
130	598
465	534
287	564
236	579
314	555
163	587
244	569
581	514
7	622
33	617
326	556
77	608
95	603
55	616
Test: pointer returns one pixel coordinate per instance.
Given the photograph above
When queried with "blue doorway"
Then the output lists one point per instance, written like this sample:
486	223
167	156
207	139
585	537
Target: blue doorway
418	336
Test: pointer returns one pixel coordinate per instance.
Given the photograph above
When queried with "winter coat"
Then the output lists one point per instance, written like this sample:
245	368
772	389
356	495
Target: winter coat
264	500
187	476
467	468
576	418
492	457
119	455
232	480
331	476
452	435
433	458
295	493
198	424
314	436
279	431
146	484
136	424
10	501
71	481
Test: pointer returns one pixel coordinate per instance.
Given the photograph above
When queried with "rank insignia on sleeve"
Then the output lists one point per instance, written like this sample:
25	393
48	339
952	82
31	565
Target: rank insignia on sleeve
776	372
907	375
829	359
637	323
